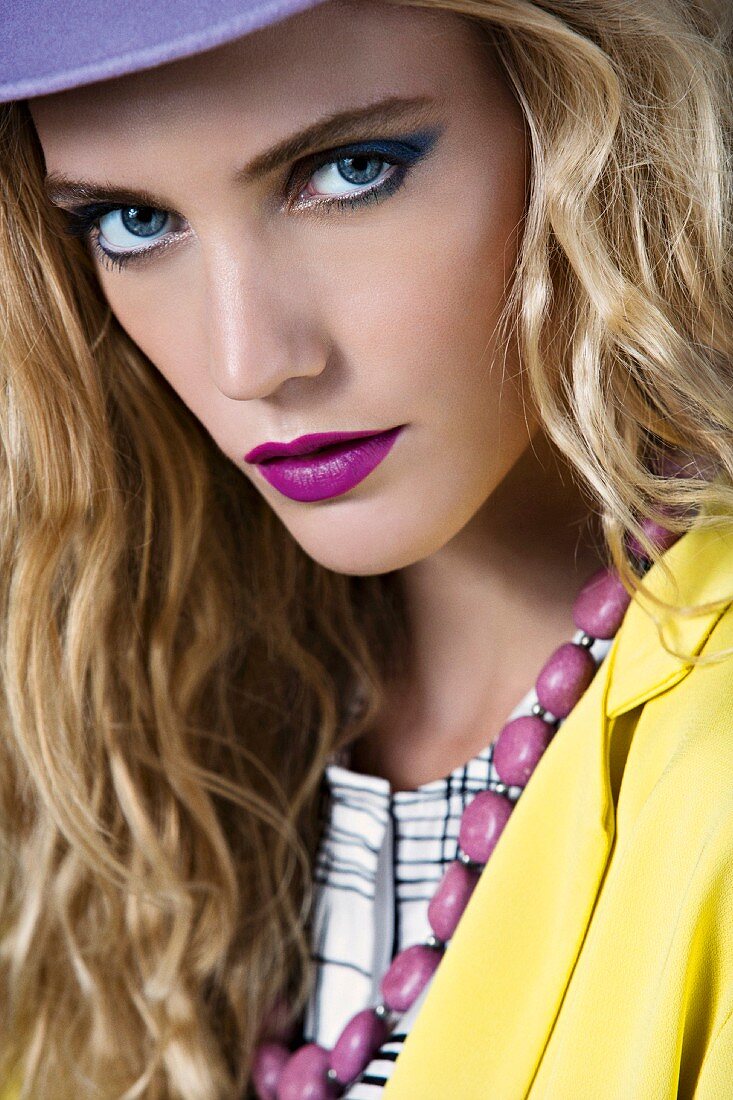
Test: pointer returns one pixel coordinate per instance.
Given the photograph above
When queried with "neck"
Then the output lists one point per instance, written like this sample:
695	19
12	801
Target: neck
484	613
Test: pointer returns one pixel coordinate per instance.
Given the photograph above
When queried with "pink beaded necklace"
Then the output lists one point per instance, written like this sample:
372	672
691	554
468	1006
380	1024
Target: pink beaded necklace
314	1073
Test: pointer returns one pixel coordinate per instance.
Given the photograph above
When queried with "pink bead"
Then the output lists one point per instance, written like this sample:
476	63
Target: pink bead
269	1061
482	824
601	604
519	747
660	537
357	1044
672	464
683	464
450	899
304	1077
279	1023
408	975
564	678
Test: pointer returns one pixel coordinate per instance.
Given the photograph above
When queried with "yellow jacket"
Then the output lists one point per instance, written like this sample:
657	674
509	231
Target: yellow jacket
595	959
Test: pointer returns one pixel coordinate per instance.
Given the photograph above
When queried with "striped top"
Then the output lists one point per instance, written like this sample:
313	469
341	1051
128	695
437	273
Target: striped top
380	859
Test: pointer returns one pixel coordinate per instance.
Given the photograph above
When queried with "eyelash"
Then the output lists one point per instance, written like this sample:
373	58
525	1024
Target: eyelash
83	220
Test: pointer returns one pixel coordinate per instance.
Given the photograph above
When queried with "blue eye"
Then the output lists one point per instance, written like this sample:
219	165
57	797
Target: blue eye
124	226
341	179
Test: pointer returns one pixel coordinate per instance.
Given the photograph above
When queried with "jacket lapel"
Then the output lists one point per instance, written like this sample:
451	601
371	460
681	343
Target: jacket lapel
701	568
490	1009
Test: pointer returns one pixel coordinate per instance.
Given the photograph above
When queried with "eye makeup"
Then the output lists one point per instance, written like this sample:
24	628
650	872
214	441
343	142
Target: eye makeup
401	154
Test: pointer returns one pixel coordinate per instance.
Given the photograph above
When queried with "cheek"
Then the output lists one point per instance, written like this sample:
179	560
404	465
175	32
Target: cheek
423	314
162	314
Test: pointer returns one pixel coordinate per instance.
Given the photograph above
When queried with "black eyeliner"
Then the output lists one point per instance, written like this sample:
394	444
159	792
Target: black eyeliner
403	152
80	219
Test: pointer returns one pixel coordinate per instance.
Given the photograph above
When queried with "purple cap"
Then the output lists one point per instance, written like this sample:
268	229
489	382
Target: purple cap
52	45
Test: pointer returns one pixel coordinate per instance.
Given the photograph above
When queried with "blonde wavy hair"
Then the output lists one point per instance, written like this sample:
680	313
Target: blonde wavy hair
175	669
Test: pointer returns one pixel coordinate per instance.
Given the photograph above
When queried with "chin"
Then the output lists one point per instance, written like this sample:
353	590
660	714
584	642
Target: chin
355	562
382	548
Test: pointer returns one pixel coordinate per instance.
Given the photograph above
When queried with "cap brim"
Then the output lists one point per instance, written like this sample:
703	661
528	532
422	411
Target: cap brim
52	46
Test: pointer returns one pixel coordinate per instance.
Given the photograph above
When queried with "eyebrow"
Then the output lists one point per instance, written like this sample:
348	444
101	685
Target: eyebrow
331	129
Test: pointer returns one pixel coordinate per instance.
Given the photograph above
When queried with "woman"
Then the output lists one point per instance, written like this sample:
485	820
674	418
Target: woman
342	344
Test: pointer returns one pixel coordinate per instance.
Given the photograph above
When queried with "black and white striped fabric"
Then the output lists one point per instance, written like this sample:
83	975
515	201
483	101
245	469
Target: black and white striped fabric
380	859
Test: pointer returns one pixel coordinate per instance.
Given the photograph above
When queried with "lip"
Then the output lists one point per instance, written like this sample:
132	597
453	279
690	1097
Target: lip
322	465
302	445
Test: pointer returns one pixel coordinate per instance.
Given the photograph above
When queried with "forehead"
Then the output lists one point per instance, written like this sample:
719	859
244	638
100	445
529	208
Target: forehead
281	76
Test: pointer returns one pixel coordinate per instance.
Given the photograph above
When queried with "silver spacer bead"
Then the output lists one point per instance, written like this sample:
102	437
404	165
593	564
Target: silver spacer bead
500	788
538	710
435	943
331	1075
356	704
381	1011
586	641
468	862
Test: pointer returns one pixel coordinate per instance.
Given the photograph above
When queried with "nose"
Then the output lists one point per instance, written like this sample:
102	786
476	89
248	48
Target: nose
262	327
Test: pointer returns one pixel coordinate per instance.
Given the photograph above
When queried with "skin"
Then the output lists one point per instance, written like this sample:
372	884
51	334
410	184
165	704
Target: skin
272	322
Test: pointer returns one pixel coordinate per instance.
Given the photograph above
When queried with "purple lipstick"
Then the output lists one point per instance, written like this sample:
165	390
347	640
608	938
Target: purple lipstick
322	465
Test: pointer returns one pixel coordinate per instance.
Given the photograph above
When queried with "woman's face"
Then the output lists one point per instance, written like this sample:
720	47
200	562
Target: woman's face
351	286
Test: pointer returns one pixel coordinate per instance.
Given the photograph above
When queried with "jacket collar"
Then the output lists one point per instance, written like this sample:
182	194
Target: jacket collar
700	571
489	1011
